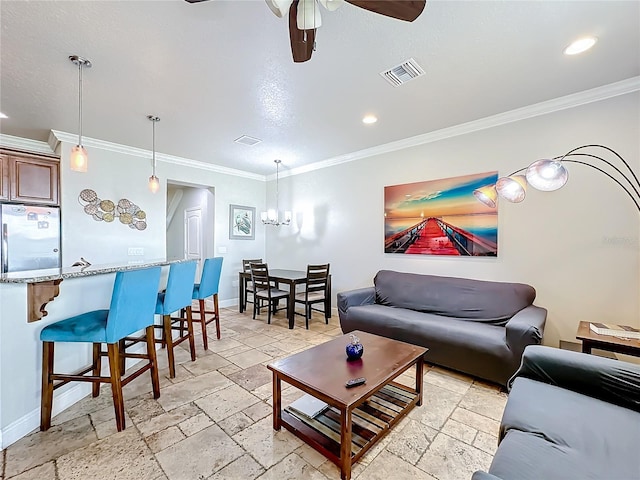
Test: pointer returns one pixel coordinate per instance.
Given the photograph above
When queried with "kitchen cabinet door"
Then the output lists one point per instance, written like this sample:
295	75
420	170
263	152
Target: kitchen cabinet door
33	180
4	177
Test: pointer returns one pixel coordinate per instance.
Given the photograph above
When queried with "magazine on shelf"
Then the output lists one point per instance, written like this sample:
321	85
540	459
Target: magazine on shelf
622	331
309	406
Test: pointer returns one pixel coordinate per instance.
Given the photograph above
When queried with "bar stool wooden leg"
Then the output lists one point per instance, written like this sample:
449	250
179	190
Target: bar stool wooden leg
113	350
46	402
217	314
123	359
153	360
192	342
203	322
168	337
97	366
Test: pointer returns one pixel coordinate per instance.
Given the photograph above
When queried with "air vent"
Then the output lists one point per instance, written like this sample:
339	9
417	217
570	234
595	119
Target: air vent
247	140
407	70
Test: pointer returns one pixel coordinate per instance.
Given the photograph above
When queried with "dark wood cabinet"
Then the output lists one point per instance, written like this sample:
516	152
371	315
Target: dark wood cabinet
30	179
4	178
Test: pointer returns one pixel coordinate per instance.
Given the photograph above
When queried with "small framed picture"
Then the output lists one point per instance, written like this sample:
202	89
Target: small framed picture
242	222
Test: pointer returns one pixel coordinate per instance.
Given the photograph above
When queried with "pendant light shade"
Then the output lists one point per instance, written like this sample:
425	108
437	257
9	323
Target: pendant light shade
154	182
79	157
547	175
512	188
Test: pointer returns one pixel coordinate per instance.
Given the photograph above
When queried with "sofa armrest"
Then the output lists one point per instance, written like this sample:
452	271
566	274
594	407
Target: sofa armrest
352	298
480	475
526	328
606	379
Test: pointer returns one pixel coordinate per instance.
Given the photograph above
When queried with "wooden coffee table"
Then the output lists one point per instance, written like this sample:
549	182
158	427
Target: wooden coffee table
608	343
360	416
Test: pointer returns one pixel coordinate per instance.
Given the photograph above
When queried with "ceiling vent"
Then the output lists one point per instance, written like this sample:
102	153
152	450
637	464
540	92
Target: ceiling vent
407	70
247	140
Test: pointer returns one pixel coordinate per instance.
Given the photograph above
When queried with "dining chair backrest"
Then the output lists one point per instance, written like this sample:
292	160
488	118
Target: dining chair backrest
179	286
317	278
260	277
133	302
246	264
210	280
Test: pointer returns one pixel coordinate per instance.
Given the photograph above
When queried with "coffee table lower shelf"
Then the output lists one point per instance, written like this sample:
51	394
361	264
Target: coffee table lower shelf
371	421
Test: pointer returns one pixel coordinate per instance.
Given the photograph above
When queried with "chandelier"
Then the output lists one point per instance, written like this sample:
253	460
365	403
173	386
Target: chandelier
271	216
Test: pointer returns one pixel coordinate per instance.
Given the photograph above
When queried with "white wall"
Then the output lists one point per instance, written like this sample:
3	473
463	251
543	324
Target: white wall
578	246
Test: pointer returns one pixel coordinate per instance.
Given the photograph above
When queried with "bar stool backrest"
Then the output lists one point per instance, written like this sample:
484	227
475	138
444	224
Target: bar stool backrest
133	302
179	286
210	281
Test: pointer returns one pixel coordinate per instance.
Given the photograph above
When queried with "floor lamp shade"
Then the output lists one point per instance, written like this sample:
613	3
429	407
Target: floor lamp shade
487	195
547	175
512	188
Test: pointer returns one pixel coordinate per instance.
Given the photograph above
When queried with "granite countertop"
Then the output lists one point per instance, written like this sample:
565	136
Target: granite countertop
36	276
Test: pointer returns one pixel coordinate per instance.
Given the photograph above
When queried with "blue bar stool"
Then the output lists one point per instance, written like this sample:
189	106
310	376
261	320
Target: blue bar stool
176	297
208	286
132	305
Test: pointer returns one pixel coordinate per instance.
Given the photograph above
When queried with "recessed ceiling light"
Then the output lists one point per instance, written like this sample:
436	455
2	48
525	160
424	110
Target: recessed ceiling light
2	115
580	45
369	119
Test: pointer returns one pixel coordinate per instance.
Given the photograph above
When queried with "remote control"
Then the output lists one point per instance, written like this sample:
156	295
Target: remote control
354	382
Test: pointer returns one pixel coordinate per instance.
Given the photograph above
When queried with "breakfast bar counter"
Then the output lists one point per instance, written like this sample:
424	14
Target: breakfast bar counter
23	298
43	285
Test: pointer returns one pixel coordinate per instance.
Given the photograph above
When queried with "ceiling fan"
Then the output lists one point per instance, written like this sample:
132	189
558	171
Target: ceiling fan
305	18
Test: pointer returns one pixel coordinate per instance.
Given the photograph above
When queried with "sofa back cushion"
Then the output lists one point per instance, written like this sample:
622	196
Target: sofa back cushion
477	300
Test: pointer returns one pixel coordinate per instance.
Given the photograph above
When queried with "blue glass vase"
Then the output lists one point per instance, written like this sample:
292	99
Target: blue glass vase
354	348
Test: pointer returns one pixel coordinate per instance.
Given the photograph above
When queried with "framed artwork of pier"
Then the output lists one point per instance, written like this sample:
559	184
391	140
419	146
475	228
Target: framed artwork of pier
441	217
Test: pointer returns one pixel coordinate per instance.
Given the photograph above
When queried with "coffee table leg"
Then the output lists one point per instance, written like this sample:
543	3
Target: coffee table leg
345	444
586	347
419	379
277	412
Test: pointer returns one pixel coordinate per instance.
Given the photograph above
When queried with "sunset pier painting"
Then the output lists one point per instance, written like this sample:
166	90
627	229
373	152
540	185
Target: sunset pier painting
441	217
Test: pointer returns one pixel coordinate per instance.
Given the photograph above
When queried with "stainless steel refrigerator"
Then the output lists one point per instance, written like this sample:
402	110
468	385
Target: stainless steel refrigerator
30	237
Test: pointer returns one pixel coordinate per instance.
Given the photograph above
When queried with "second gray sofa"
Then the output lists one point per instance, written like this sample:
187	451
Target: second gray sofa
474	326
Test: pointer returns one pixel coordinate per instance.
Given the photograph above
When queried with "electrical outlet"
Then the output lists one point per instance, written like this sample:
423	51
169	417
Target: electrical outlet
135	251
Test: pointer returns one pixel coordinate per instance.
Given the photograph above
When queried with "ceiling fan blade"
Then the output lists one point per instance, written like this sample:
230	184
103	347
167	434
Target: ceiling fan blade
407	10
300	49
195	1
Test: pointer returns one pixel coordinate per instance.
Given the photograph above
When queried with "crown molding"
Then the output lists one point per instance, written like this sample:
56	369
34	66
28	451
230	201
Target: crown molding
56	137
597	94
25	144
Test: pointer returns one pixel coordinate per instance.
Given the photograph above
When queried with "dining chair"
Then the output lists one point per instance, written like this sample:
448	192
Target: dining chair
316	291
264	291
132	305
208	287
248	284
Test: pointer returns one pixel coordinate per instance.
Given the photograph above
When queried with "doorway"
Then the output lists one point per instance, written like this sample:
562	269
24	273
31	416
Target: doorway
190	222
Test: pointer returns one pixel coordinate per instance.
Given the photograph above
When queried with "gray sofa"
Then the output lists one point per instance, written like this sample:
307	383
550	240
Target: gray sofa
569	416
474	326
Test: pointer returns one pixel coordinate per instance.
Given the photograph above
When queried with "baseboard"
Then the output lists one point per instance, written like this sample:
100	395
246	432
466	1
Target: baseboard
233	302
25	425
61	401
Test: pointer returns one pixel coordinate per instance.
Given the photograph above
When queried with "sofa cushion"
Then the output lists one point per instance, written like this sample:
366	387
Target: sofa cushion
477	300
551	432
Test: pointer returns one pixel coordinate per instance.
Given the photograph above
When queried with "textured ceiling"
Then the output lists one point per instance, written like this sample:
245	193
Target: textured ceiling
216	70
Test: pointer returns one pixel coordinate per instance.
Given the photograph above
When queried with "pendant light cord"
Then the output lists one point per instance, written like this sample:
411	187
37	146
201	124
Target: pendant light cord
80	103
153	142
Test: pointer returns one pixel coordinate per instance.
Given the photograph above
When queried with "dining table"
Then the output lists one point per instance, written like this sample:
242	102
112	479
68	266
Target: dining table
292	278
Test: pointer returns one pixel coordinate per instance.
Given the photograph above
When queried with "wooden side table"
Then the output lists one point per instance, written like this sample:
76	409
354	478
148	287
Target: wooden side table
590	340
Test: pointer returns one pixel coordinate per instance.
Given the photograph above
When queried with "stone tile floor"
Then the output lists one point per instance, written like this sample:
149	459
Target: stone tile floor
213	421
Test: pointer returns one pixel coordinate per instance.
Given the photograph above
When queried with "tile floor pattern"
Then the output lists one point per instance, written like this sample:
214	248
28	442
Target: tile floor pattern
213	421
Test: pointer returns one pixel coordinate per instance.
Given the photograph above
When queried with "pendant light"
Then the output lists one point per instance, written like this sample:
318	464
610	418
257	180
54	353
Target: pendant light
79	157
154	183
270	217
